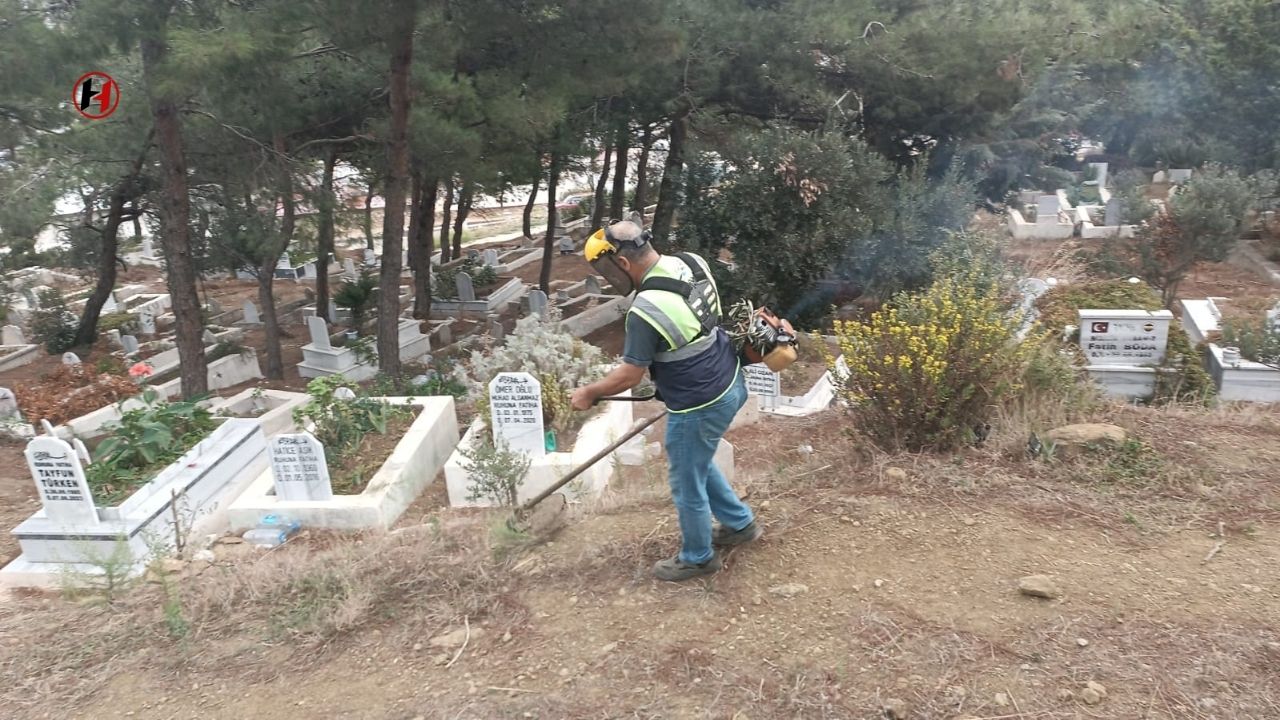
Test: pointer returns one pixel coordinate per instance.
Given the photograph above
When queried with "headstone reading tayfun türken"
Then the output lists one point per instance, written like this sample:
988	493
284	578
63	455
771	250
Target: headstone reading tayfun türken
1124	337
129	344
8	404
251	314
299	469
538	304
515	409
60	480
319	331
491	257
761	380
593	285
12	335
466	291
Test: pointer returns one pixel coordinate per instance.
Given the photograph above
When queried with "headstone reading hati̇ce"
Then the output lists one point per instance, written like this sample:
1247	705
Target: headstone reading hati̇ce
60	480
8	404
515	409
251	314
12	335
319	331
538	304
298	468
466	290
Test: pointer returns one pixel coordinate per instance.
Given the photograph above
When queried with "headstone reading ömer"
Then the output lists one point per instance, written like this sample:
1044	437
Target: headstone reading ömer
515	409
60	480
299	469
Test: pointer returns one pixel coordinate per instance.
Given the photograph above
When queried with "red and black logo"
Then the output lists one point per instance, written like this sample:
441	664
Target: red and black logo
1100	328
95	95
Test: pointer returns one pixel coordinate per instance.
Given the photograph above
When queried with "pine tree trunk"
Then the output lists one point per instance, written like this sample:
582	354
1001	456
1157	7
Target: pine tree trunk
415	217
527	218
175	216
597	207
425	241
368	216
267	270
669	190
465	199
642	170
445	247
548	243
619	203
397	179
324	237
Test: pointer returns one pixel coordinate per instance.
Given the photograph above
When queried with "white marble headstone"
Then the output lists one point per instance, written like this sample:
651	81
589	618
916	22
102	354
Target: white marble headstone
8	404
761	380
491	257
148	249
251	313
370	259
466	291
1273	319
110	306
299	469
12	335
1047	208
319	331
538	304
60	480
515	409
344	393
146	323
349	269
129	343
70	358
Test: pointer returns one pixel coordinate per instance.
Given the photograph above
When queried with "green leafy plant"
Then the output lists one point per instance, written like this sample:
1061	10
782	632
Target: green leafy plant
339	424
145	440
482	276
53	325
357	297
126	323
1255	341
495	473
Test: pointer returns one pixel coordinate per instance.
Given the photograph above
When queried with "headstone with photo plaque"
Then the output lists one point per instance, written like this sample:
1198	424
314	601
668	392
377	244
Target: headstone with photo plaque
60	480
1124	337
299	469
515	409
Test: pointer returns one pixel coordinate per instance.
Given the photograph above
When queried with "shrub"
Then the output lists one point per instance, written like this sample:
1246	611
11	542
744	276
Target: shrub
495	473
926	371
340	424
1255	340
357	297
126	323
558	360
482	276
53	325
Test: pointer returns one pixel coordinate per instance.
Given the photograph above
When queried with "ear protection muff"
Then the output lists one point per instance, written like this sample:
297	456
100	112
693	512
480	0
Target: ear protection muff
646	236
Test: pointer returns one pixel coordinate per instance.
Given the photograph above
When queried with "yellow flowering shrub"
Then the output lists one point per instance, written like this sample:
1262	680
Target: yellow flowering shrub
927	371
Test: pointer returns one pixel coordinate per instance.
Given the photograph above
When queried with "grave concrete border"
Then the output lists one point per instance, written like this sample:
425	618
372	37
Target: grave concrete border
25	355
1244	381
500	296
611	309
278	417
412	465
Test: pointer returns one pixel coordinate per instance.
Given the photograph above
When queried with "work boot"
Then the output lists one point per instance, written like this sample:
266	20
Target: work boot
676	570
723	536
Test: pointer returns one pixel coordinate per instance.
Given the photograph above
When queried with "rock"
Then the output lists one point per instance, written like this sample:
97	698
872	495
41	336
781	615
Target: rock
506	637
894	474
894	709
1002	700
1090	696
229	540
789	590
1073	439
878	583
455	638
608	648
1038	586
1097	687
1082	642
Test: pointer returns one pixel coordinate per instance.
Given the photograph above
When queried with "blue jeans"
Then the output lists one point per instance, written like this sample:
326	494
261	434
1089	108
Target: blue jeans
698	488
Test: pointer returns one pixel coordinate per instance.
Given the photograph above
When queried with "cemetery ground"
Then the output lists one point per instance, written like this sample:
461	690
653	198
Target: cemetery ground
883	581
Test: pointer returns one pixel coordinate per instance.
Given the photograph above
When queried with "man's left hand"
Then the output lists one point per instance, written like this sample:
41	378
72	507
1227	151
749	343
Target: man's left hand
582	399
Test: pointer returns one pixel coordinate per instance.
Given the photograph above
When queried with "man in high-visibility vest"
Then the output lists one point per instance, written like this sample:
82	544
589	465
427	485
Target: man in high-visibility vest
673	331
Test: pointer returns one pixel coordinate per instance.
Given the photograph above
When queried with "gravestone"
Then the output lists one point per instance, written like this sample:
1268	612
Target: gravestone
562	297
110	305
148	250
251	314
129	344
566	245
214	307
333	310
593	285
1124	337
70	358
349	269
12	335
114	340
1159	177
60	480
466	291
1179	176
1047	208
538	304
370	259
761	380
1111	216
82	452
207	337
319	330
284	263
299	469
473	254
8	405
494	327
146	323
344	393
515	408
1100	172
47	427
491	257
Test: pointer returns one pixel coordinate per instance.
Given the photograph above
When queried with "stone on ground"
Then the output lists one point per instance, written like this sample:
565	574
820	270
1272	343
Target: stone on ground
455	638
895	709
1072	439
789	590
1039	586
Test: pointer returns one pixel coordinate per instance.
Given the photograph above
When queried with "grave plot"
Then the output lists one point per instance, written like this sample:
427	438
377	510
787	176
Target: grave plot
15	351
1243	346
145	490
273	409
804	388
459	291
522	415
587	313
353	357
1053	219
358	463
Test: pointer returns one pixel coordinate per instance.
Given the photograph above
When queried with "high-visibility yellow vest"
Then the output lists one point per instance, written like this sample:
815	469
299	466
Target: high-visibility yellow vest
679	299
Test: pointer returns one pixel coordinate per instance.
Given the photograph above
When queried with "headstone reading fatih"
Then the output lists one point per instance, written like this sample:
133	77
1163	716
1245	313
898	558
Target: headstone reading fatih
70	358
299	469
1124	337
251	314
593	285
349	268
1047	208
491	257
8	404
319	330
466	291
538	303
60	480
370	259
146	323
129	344
1111	216
515	408
12	335
761	380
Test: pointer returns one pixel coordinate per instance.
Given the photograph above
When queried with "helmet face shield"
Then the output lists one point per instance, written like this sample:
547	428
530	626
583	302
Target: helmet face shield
608	267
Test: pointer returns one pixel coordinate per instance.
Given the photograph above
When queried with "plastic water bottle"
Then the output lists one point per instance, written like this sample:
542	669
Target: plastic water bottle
280	522
272	530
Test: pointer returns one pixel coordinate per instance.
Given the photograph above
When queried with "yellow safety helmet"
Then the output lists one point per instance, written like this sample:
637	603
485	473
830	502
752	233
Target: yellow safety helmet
601	249
597	246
